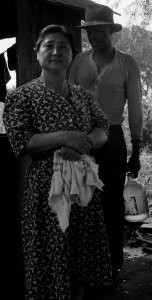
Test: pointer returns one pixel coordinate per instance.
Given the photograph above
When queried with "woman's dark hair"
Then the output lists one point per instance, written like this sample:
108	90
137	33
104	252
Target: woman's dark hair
58	29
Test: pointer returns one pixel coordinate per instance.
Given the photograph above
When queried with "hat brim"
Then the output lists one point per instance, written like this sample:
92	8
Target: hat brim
115	27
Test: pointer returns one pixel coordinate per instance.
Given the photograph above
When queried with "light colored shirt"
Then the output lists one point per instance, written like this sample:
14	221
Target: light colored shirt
117	82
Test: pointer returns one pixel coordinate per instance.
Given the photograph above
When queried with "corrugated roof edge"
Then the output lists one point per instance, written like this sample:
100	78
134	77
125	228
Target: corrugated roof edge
77	4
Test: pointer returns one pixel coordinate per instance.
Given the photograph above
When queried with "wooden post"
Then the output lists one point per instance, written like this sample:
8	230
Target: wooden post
26	34
10	241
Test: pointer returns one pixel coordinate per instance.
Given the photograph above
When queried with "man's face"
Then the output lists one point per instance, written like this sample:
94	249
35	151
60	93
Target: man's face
99	37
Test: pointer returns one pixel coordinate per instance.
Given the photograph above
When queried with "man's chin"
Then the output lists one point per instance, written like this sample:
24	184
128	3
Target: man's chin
97	47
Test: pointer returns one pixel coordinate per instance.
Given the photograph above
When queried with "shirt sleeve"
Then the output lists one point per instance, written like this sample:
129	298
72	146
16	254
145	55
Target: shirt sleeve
134	97
99	118
71	75
17	120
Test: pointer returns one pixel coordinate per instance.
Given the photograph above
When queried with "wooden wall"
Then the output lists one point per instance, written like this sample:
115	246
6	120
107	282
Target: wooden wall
32	16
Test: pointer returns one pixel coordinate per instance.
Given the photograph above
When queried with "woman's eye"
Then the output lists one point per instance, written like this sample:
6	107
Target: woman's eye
49	46
64	47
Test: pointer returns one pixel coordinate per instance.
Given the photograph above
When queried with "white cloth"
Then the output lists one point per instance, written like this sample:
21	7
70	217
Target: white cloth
72	182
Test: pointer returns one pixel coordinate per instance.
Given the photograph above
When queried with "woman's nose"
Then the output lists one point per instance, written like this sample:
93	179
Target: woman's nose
55	50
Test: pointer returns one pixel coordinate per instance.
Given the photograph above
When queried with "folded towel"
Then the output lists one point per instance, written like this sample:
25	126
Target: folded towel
72	182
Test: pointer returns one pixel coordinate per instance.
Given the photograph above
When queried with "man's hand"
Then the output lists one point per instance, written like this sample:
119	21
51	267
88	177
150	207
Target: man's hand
134	165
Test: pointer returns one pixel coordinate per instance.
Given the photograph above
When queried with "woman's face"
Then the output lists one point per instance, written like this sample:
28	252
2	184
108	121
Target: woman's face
55	52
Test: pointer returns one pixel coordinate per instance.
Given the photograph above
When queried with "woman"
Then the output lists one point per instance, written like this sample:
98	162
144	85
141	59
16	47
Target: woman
41	116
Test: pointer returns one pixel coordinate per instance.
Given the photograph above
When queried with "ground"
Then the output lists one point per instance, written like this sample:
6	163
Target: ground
135	279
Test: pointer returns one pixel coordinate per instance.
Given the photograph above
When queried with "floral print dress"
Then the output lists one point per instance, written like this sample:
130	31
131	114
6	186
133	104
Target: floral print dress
53	259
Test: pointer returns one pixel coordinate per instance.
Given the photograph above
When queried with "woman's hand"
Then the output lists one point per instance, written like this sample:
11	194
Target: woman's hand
68	153
79	141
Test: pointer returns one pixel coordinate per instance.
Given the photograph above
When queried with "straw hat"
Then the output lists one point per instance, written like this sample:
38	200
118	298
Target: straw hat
100	15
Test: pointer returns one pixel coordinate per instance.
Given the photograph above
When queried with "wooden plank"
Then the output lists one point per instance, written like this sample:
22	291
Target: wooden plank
26	36
147	228
148	225
60	15
147	249
144	241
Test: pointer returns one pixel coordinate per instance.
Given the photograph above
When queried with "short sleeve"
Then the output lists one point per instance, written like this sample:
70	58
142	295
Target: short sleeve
17	119
99	118
134	96
71	75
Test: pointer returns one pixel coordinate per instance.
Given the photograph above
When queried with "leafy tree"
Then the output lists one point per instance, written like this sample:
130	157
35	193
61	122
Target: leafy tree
147	131
137	41
84	39
136	9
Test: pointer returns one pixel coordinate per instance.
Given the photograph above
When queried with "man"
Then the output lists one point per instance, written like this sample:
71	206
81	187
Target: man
114	78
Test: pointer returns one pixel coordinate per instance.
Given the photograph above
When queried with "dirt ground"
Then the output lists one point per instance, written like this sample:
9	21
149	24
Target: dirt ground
135	279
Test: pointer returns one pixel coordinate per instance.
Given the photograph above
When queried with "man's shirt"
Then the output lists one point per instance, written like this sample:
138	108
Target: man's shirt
118	81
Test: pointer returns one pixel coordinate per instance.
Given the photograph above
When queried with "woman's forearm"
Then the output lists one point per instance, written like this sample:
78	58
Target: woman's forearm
45	141
99	136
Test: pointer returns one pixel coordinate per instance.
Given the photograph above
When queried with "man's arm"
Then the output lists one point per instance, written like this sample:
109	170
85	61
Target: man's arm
135	114
71	73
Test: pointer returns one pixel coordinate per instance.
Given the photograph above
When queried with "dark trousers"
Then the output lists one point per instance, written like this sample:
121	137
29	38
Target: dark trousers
112	159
